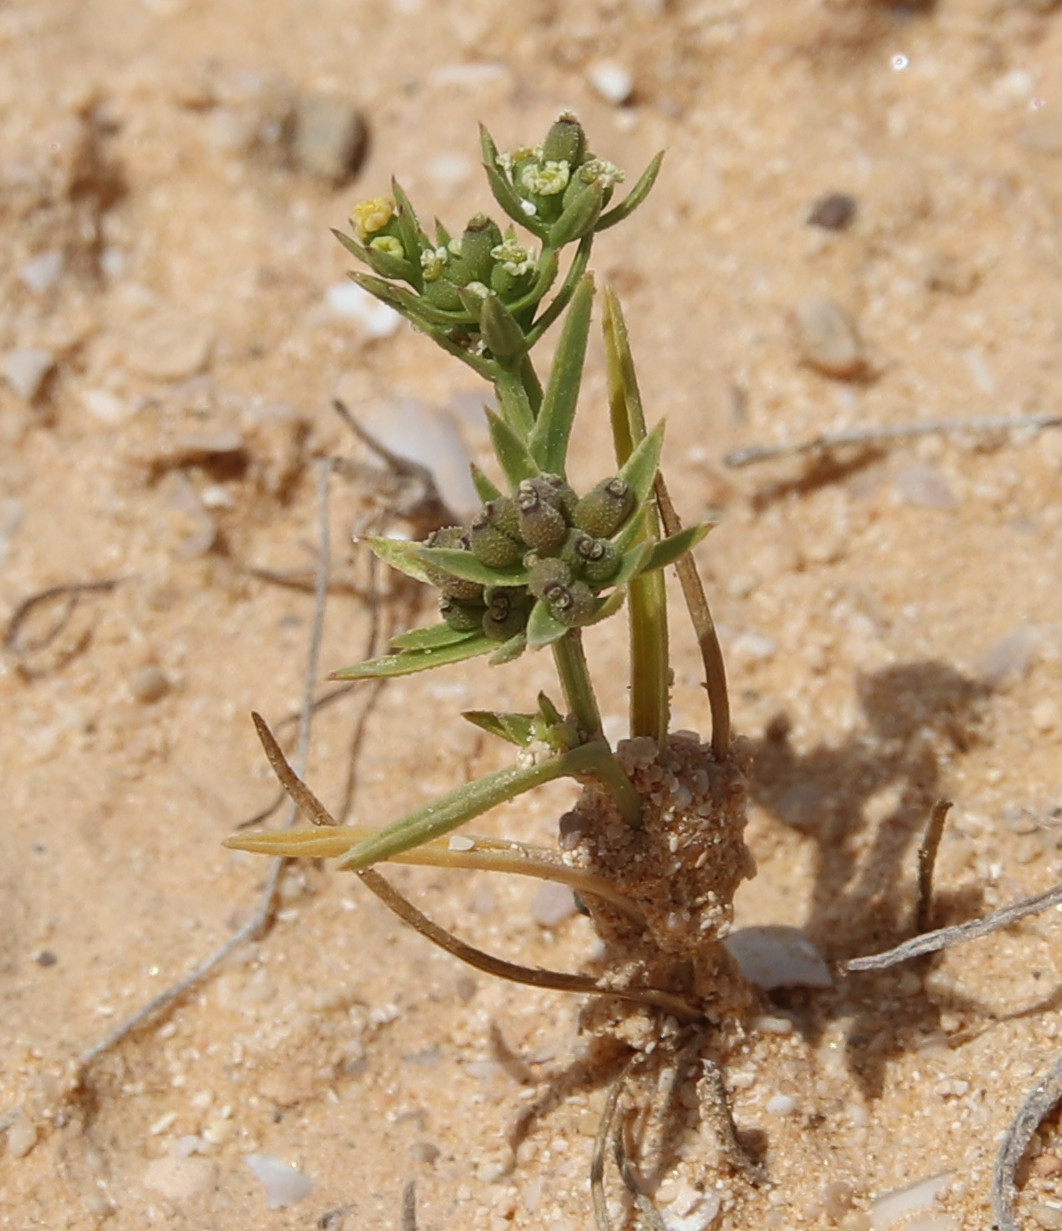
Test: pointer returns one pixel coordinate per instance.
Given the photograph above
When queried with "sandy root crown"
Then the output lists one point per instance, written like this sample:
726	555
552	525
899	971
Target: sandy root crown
679	870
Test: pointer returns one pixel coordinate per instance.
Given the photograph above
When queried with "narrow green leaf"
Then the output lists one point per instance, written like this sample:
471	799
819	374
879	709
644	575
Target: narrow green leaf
352	246
467	566
668	550
633	564
552	430
518	729
640	468
485	488
543	627
431	638
399	554
443	815
509	651
409	229
413	307
567	289
608	606
634	198
409	662
513	455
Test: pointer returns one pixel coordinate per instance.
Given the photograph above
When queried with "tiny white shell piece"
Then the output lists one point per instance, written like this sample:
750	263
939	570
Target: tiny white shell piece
778	956
284	1184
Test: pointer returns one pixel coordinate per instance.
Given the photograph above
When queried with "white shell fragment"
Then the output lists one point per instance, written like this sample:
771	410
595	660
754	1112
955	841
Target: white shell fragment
827	339
284	1184
890	1207
778	956
612	81
375	319
25	369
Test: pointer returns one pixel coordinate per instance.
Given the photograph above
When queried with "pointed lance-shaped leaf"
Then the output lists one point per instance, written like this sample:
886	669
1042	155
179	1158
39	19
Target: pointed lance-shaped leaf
509	650
552	430
485	488
640	468
543	627
518	729
410	662
432	638
443	815
399	554
500	330
673	548
513	455
414	241
464	564
634	198
579	216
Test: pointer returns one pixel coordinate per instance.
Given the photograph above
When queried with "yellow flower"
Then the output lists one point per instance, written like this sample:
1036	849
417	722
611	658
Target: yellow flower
368	217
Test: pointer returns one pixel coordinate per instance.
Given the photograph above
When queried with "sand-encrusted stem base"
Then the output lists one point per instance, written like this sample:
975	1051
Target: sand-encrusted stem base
680	870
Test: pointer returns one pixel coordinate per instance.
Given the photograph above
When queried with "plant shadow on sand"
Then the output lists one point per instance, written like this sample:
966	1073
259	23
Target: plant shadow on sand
864	804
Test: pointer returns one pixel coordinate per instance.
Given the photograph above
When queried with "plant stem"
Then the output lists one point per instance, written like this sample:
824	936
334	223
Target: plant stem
575	680
647	598
579	694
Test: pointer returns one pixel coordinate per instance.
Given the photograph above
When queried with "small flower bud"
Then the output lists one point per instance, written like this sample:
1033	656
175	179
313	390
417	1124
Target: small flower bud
542	525
565	141
603	510
456	538
480	238
545	573
462	617
572	604
500	329
492	545
507	611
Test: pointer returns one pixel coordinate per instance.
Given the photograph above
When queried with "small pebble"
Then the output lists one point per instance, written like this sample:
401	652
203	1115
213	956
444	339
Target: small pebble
284	1184
1045	714
835	211
1047	1215
925	487
374	319
148	684
552	905
169	345
181	1178
43	272
21	1136
612	81
1010	657
778	956
46	958
827	339
781	1105
26	369
331	138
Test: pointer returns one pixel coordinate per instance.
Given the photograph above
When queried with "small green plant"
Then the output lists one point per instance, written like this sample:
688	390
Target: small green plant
654	846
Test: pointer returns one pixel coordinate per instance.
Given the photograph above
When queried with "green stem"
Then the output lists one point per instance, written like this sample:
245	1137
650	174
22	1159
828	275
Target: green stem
575	680
445	814
579	694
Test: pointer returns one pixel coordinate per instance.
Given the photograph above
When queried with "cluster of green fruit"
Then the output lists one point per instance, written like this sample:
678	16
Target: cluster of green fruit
562	541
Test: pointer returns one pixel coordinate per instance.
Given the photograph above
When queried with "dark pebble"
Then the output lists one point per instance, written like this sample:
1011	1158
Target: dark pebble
833	212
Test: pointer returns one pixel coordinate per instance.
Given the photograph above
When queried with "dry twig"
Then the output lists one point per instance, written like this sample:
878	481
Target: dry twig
947	938
927	858
751	454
